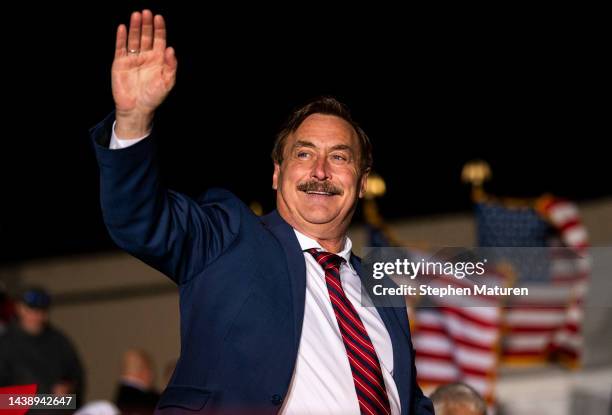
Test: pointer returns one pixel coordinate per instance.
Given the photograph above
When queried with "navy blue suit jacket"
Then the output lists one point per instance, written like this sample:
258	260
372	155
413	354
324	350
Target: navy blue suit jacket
242	283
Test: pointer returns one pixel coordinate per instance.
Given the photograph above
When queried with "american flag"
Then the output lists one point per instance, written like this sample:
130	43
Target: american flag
453	341
466	342
547	246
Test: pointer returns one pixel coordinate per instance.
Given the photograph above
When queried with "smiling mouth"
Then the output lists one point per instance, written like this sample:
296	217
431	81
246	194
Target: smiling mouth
315	188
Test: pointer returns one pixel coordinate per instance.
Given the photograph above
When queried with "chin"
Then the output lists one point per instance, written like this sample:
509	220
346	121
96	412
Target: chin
318	215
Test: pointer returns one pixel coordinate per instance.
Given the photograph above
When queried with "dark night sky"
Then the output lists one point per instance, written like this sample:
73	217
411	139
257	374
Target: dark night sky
530	103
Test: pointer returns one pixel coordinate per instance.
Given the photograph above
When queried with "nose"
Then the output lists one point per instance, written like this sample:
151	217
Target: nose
320	169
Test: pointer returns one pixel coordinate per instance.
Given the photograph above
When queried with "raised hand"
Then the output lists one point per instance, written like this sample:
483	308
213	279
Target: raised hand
143	73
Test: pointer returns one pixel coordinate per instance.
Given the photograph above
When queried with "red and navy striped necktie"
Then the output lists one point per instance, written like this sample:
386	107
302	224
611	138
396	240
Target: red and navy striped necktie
367	373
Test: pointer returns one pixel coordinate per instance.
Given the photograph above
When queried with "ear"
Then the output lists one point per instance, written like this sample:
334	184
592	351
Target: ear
363	185
275	176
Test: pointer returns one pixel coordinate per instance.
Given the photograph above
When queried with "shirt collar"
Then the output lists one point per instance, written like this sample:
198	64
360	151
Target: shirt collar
308	243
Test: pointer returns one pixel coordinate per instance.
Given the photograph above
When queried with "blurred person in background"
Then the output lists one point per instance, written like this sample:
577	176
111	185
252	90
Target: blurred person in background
7	308
136	393
458	399
98	408
168	371
32	351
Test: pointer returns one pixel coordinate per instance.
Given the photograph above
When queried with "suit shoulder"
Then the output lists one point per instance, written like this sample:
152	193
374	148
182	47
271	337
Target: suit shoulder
226	200
217	195
226	205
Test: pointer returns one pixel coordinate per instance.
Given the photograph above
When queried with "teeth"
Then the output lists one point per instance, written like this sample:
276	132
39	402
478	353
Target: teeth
319	193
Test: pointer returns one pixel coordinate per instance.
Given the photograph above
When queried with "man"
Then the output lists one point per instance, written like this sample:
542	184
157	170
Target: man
136	393
32	351
271	319
458	399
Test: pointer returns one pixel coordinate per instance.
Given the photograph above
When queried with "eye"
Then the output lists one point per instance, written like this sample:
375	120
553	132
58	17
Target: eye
339	157
302	155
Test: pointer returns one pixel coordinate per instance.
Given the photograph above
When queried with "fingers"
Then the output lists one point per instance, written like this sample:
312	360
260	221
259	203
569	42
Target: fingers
133	42
145	33
159	42
120	49
146	40
170	64
170	59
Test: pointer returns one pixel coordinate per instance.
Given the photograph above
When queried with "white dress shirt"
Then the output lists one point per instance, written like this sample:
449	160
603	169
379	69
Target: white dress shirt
117	143
322	381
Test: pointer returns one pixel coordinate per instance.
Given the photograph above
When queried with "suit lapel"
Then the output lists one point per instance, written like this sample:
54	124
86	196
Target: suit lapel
296	267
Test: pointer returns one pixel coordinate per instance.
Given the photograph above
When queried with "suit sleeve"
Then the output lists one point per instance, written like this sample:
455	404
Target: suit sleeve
166	229
422	404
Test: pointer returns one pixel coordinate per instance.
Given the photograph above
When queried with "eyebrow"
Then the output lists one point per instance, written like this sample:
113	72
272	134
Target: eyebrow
302	143
343	147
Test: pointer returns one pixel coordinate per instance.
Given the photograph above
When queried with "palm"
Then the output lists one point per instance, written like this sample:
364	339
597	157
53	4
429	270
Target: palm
138	82
141	80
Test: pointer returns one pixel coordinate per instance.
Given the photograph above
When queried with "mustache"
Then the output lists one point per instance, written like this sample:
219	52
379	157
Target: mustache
316	186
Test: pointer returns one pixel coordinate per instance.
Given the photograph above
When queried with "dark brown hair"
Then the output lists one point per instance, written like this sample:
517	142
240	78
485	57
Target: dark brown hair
327	106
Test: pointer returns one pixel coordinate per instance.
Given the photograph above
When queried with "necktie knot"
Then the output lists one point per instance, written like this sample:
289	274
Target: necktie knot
326	259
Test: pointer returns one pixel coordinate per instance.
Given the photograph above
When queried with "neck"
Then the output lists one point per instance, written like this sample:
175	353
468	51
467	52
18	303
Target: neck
32	330
331	238
331	245
134	381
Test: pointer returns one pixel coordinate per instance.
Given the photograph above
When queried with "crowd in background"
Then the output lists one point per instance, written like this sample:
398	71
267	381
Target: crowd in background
33	351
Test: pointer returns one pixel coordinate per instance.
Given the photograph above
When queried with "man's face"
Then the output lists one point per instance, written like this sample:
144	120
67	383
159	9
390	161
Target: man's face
319	181
32	320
